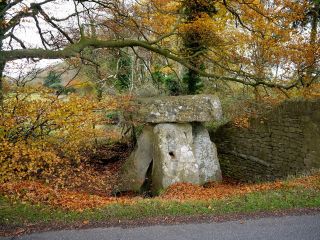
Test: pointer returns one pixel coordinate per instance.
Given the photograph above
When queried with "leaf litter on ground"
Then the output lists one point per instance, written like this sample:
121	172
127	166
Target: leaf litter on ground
71	198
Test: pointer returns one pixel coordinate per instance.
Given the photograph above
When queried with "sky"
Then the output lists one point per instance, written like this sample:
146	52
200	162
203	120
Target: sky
29	34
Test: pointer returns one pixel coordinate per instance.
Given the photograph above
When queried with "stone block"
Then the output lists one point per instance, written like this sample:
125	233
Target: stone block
205	153
133	172
174	160
178	109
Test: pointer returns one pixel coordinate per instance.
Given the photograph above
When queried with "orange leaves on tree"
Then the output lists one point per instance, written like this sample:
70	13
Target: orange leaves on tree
40	131
204	30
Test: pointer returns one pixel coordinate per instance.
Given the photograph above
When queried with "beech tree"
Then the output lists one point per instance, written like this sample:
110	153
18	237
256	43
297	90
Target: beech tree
65	37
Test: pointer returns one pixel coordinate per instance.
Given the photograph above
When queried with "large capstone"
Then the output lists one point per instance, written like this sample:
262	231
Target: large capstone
178	109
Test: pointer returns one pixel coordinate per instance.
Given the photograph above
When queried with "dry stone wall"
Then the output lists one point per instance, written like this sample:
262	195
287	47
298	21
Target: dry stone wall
283	142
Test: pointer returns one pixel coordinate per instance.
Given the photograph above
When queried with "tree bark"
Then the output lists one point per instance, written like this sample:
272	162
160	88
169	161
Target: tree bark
3	5
313	41
2	65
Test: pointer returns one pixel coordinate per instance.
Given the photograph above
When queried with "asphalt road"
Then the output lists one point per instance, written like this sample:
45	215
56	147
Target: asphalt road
305	227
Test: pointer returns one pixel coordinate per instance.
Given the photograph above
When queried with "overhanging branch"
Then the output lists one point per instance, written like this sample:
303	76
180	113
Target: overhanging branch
74	50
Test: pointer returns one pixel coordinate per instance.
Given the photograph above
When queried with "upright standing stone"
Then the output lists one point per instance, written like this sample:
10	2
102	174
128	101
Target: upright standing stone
173	159
205	152
133	172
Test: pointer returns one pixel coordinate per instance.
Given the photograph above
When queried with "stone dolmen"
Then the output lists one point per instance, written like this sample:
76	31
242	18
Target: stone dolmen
174	146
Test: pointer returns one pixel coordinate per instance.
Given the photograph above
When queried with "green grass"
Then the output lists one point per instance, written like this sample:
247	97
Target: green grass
19	214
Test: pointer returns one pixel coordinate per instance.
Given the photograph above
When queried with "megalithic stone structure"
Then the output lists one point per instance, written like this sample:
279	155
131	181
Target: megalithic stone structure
174	142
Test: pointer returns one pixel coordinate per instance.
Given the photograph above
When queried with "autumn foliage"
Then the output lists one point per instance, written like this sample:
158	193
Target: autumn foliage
41	134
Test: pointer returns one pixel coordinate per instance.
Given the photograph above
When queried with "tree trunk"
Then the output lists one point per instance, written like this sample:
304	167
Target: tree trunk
192	43
191	78
314	25
313	41
2	65
3	5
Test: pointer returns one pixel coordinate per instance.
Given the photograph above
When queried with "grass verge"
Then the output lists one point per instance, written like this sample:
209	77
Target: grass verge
19	214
